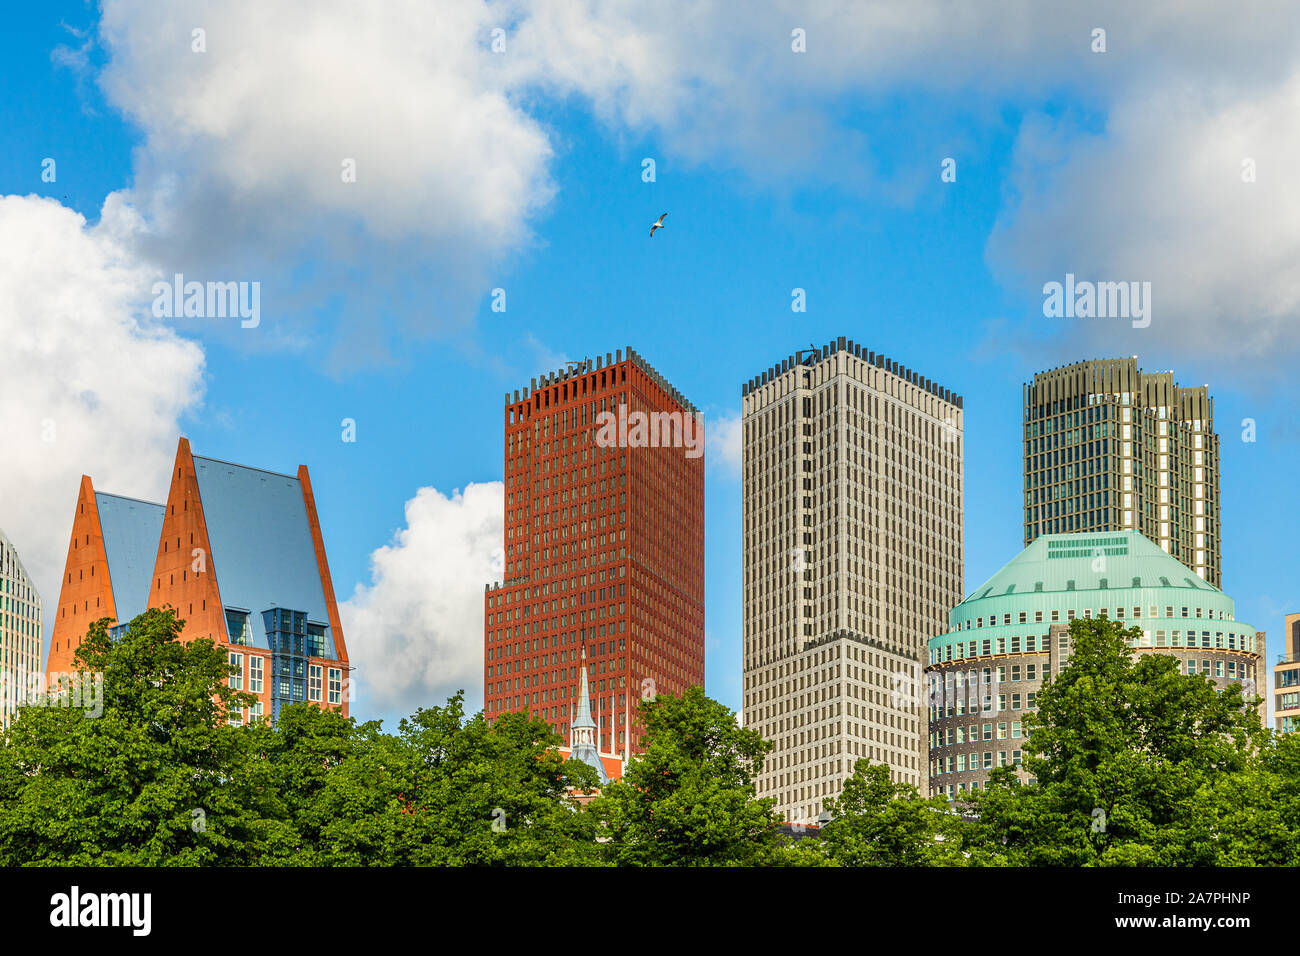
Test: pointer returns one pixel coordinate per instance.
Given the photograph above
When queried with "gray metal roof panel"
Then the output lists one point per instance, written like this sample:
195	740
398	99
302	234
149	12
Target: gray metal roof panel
262	548
132	530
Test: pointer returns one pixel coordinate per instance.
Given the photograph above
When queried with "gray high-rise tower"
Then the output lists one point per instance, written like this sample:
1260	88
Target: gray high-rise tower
852	493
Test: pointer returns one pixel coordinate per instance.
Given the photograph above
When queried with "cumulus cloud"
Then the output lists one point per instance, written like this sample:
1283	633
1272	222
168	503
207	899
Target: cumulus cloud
416	630
447	121
280	97
723	435
383	145
1195	197
92	384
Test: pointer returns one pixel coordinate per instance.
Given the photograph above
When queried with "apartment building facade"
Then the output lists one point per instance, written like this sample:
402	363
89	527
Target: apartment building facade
238	553
1108	447
603	550
852	491
1286	679
1011	634
20	632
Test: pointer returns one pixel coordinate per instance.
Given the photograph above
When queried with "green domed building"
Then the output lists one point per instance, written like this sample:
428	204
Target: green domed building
1012	633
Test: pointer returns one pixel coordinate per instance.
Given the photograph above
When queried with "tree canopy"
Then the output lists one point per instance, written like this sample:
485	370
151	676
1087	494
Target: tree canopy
1131	763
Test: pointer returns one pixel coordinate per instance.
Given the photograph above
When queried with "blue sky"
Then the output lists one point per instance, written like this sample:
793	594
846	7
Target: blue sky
379	309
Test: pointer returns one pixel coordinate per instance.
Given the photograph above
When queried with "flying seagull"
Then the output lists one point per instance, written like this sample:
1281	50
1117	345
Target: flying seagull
658	225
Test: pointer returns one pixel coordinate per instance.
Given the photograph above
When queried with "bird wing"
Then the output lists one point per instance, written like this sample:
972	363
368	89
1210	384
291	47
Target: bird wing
662	218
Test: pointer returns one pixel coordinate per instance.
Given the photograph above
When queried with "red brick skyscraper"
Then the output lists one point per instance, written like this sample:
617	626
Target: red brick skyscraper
604	545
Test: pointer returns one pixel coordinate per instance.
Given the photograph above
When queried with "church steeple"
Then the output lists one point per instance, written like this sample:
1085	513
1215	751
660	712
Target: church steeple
582	731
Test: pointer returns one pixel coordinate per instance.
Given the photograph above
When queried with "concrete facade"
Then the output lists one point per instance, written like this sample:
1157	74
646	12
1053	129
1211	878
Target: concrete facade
1286	679
852	491
1012	634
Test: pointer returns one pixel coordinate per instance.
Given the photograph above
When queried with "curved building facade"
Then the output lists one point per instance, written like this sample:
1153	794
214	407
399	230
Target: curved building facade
20	632
1012	633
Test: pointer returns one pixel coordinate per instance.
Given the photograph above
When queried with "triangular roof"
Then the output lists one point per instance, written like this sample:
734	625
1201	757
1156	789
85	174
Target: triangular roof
263	551
583	718
131	529
585	749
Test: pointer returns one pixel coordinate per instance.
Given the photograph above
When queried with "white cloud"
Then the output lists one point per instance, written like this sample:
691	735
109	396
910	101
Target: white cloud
283	95
92	384
416	630
723	436
545	358
242	144
240	175
1160	197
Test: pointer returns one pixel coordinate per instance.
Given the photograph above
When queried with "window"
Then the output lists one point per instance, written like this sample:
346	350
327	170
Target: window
236	680
315	640
336	685
255	712
237	626
255	674
315	674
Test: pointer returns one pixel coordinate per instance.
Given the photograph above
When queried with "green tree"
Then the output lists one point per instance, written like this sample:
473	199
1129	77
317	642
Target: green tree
1252	817
479	794
444	791
145	781
877	822
324	787
1126	752
688	799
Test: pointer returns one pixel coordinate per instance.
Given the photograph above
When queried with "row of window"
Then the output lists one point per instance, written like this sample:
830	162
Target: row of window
957	706
959	763
1219	640
317	688
1212	614
972	732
